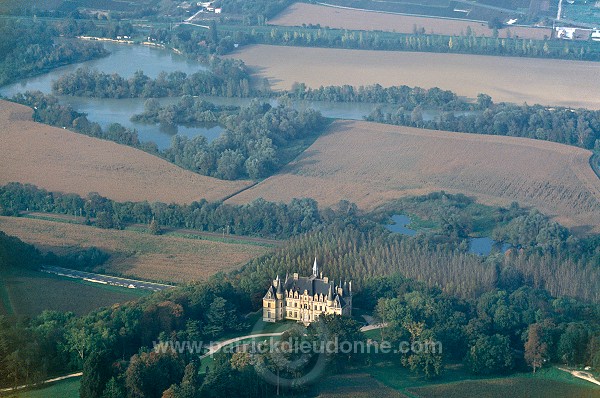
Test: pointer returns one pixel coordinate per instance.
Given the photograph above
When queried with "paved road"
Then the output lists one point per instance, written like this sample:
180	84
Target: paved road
217	346
106	279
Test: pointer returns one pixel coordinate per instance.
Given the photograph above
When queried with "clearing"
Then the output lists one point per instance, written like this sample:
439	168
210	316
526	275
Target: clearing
136	254
64	161
370	163
509	79
340	18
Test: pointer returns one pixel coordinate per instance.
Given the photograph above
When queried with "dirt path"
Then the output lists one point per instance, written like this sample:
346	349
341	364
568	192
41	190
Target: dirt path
582	375
2	390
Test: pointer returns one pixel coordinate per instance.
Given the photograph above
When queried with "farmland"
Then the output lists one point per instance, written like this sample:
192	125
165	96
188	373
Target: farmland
370	163
27	293
136	254
302	13
60	160
543	81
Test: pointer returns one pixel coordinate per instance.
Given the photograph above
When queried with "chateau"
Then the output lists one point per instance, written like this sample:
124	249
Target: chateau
303	299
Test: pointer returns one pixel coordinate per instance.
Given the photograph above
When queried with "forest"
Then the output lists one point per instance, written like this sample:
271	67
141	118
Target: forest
258	140
579	127
493	316
226	78
29	49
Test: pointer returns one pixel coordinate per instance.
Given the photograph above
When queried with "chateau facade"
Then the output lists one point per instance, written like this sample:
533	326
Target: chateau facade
303	299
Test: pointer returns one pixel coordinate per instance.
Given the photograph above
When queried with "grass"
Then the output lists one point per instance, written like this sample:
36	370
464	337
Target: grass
456	381
63	389
29	292
549	382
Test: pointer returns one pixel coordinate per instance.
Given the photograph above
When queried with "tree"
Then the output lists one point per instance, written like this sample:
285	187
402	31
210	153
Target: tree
150	374
154	228
536	350
490	354
96	373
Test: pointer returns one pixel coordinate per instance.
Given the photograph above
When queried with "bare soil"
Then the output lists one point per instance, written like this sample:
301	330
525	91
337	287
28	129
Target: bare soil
518	80
61	160
371	163
302	13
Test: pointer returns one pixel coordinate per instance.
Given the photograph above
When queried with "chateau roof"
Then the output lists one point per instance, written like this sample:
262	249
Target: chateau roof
312	285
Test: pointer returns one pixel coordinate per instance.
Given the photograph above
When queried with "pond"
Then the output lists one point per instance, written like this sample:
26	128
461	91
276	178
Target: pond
485	246
400	222
480	246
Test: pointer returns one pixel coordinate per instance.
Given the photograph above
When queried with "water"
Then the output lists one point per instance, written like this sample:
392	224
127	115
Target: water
126	60
108	111
400	225
484	246
479	246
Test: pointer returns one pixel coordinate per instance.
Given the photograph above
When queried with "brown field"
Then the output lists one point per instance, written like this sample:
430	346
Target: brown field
136	254
340	18
370	163
60	160
518	80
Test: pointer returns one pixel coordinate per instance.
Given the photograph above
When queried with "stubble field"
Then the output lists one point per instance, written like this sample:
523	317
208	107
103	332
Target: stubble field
509	79
136	254
371	163
302	13
60	160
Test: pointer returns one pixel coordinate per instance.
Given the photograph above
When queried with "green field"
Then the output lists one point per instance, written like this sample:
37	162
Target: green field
457	382
63	389
25	292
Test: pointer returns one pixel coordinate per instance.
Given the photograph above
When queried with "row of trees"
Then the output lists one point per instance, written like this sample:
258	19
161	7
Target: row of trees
258	218
226	78
29	48
405	96
579	127
466	44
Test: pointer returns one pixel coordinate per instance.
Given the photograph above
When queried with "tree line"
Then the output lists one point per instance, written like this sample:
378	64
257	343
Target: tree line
226	78
29	48
256	141
468	43
579	127
258	218
405	96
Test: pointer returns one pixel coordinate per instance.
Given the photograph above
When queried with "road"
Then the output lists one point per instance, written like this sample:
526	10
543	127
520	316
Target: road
217	346
582	375
559	10
106	279
42	382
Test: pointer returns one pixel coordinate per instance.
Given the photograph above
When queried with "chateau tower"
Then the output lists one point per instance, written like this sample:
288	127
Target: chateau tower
305	298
